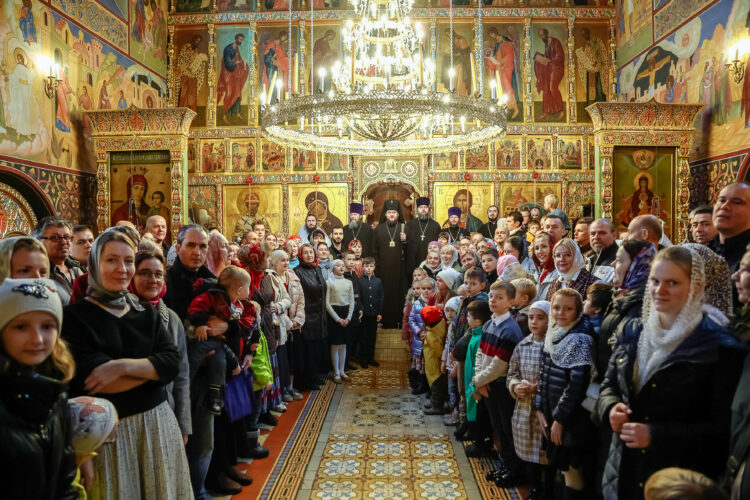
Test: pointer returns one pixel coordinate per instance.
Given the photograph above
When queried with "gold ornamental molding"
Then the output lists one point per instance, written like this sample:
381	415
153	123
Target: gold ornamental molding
135	129
651	125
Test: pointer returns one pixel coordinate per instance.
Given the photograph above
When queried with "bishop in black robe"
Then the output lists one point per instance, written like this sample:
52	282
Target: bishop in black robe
419	233
387	249
358	230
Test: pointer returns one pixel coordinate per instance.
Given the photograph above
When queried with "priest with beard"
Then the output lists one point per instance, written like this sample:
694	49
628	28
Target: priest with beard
454	229
387	249
488	228
358	230
418	234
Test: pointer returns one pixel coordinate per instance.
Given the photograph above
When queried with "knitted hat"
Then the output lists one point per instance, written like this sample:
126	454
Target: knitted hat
431	315
449	276
19	296
453	303
423	200
542	305
92	421
454	211
356	208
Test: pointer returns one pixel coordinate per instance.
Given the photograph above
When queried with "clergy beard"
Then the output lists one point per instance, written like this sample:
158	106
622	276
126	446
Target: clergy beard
452	226
424	217
391	224
492	221
353	225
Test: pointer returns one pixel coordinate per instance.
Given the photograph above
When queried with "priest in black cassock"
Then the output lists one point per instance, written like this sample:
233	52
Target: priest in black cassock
488	228
419	233
358	230
454	229
387	249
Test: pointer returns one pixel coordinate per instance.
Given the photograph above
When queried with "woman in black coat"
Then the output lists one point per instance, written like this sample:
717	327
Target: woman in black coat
312	357
37	461
669	383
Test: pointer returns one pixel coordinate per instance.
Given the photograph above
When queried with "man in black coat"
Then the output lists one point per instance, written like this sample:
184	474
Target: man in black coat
454	229
390	267
358	230
732	219
418	234
602	238
488	228
371	293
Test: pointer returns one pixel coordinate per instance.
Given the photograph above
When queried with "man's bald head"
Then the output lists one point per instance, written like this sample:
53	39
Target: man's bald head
732	210
645	228
157	226
250	238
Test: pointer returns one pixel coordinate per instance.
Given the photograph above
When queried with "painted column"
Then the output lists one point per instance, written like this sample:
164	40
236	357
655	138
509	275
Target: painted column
572	107
211	112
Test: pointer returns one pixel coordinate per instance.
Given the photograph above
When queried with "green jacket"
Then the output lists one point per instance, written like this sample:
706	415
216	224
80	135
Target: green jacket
261	365
471	354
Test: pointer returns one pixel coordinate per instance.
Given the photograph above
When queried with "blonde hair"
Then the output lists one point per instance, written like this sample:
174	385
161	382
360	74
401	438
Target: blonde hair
573	294
59	364
234	275
428	281
674	483
552	199
525	286
9	246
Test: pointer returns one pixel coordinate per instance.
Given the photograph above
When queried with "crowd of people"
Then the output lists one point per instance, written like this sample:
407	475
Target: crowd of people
589	361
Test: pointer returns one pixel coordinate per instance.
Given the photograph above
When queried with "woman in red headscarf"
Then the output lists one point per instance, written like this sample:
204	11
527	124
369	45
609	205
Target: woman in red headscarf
135	208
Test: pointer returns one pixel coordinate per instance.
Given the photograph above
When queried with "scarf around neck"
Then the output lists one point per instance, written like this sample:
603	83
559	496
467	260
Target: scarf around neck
151	302
568	350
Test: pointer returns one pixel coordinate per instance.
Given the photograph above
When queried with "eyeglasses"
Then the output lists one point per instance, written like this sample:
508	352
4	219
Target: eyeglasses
148	275
57	238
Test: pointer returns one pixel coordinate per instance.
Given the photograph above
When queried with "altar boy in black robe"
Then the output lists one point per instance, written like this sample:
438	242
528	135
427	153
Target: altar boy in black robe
387	249
419	233
357	229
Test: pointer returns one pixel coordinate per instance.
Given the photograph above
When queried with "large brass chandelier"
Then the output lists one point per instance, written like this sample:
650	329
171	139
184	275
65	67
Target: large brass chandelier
382	98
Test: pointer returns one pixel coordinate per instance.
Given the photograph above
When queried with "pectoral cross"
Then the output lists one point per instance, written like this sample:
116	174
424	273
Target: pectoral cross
422	237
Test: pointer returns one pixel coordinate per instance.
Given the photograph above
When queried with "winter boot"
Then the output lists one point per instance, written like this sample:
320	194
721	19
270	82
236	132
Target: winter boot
413	375
255	450
214	400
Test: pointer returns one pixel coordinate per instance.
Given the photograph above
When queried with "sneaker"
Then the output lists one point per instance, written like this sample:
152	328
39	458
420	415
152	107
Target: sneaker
337	379
451	419
344	376
214	400
296	394
287	398
279	409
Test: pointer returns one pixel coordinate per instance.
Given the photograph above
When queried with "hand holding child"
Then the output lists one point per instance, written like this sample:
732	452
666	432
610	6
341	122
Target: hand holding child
201	333
619	415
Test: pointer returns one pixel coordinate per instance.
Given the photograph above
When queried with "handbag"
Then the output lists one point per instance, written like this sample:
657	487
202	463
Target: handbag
238	396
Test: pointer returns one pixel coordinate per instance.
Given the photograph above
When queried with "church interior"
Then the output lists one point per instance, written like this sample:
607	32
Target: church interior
222	112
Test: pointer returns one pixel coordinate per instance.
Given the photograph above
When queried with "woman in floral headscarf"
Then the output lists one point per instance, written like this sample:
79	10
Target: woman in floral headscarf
571	269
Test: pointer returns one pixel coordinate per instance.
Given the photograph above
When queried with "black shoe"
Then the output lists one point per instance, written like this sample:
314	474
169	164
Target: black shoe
508	480
223	486
349	366
534	494
374	363
214	400
363	364
500	471
256	452
462	429
476	450
268	419
239	477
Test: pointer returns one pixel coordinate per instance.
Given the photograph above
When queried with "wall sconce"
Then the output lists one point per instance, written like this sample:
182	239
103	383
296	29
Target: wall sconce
51	82
737	66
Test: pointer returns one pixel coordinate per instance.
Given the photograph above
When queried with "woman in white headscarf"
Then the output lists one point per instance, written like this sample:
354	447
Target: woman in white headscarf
571	269
124	354
670	381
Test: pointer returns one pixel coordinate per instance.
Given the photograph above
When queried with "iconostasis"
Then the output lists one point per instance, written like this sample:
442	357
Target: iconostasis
552	59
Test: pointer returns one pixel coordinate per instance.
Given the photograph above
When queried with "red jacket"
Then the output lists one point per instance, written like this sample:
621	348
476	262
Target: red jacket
215	302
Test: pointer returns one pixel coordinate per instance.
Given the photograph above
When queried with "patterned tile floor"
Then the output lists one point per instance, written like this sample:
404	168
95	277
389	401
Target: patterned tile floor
379	444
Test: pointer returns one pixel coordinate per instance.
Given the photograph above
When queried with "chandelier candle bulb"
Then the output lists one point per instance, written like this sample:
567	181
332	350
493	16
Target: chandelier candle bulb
279	84
271	86
451	74
493	90
322	74
473	73
421	66
295	85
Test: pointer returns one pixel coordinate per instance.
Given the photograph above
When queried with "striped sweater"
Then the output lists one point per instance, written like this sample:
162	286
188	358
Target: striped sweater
499	337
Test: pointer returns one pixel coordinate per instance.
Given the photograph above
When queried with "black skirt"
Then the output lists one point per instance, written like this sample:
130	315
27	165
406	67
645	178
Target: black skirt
338	334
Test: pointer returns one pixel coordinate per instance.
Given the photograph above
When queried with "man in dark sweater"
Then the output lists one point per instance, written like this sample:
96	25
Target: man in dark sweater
732	219
371	295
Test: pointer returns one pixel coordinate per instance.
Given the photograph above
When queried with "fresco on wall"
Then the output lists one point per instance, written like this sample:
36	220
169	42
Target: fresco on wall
191	71
243	156
473	202
688	67
508	153
326	51
463	42
502	63
93	76
570	152
634	28
445	161
514	195
203	206
243	203
272	157
674	13
192	157
275	53
140	183
232	69
193	6
549	85
148	33
335	162
708	179
477	158
329	202
592	59
304	160
213	156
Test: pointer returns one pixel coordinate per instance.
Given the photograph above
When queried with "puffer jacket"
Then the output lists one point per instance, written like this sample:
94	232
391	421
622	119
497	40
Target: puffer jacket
267	295
37	461
314	287
296	311
282	301
562	390
686	404
620	310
